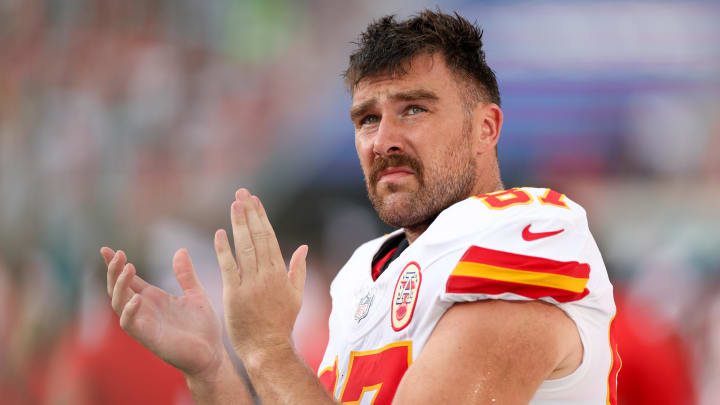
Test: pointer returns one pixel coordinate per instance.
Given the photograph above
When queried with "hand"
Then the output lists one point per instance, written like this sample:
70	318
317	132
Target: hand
261	299
184	331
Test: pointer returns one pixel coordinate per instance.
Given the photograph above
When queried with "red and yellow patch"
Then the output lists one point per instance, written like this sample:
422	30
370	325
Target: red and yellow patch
329	376
493	272
405	296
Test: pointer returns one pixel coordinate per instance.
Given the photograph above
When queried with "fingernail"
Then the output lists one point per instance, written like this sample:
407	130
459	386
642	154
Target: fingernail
256	201
243	194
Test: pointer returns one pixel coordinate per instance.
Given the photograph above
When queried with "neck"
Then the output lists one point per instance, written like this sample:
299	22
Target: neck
492	181
489	188
413	232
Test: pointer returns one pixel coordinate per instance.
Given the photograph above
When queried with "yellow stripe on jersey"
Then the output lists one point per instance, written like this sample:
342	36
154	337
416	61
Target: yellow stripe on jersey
479	270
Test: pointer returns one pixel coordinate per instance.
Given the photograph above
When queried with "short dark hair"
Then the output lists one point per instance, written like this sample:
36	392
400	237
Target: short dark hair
387	45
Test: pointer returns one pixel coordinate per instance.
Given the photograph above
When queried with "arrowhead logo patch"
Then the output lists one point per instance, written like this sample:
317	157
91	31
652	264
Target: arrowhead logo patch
405	296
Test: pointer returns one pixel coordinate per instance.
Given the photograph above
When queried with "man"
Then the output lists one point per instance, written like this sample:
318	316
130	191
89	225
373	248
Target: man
483	296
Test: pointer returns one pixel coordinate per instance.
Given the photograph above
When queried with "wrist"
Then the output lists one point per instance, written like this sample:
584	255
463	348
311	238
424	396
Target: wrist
255	358
213	378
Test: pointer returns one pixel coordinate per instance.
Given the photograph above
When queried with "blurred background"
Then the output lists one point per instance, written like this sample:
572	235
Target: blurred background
131	124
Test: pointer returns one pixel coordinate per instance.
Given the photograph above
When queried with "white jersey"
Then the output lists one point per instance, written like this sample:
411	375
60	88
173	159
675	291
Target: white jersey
519	244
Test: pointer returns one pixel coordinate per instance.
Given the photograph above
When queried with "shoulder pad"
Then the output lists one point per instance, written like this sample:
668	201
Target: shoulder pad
525	242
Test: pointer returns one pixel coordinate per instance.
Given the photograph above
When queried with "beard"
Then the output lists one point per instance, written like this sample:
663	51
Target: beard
440	184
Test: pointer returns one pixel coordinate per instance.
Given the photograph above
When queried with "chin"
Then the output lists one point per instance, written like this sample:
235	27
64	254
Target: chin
398	200
398	209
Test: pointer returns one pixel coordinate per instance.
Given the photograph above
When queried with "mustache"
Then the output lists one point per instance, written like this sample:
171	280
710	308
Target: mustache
383	162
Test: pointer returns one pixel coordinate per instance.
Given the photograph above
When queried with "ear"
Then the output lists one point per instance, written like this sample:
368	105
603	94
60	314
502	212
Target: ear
487	123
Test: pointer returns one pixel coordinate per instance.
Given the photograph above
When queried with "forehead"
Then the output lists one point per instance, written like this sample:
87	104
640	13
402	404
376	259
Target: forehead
426	71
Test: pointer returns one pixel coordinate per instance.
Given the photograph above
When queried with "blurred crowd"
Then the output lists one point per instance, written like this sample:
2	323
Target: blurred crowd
131	124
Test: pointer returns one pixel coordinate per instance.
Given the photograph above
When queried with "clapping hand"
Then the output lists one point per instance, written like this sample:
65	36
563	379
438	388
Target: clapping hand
182	330
261	298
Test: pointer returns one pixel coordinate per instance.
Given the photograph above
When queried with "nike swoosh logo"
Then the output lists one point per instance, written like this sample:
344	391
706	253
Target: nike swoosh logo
529	236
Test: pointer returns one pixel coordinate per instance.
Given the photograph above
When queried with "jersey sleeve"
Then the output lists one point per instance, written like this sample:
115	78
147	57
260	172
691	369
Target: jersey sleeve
526	252
535	249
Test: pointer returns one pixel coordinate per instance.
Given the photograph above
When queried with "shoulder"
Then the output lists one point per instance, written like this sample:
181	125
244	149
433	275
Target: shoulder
521	243
525	245
509	219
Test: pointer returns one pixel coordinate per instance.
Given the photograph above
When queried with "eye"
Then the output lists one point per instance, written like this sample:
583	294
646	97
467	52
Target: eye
414	109
369	119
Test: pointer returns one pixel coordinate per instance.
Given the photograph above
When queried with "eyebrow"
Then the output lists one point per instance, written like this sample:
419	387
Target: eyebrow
361	109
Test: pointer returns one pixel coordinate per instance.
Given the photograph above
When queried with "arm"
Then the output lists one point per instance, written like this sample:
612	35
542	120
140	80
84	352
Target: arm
503	359
281	376
505	356
489	352
183	331
261	301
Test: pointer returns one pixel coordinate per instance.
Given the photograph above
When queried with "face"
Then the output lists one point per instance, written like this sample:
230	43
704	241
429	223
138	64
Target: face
415	142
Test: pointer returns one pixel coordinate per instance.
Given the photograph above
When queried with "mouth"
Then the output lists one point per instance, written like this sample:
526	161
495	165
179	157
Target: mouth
394	173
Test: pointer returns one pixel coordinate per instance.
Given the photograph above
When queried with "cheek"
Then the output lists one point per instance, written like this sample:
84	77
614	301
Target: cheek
364	152
445	157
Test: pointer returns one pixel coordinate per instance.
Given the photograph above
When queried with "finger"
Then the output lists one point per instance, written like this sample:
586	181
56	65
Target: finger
122	292
107	254
228	267
114	268
244	247
138	284
262	237
298	268
128	313
185	273
274	245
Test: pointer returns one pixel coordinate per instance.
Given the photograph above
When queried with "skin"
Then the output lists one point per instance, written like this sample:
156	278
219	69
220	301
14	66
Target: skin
415	131
182	330
421	117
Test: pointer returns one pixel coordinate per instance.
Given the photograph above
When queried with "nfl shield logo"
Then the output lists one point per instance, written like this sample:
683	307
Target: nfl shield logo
364	306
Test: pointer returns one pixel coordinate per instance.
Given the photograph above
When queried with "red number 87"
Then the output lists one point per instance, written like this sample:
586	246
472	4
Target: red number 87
516	196
372	375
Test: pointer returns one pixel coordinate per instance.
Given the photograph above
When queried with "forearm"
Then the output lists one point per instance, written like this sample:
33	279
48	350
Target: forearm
225	386
280	376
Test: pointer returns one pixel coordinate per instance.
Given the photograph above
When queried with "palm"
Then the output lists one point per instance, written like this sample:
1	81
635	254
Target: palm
183	331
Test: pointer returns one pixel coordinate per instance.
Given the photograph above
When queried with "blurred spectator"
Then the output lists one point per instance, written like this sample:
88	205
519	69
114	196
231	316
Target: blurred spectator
107	366
657	365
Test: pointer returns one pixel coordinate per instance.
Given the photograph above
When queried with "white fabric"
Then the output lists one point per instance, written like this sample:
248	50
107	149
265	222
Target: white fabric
438	250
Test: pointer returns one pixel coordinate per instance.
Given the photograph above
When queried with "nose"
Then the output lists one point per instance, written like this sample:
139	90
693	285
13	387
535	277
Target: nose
388	138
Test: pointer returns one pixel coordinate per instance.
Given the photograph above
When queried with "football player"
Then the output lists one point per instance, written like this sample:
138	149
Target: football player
483	295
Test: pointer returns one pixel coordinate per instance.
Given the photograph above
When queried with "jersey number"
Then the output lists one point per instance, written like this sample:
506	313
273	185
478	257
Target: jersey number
515	196
373	376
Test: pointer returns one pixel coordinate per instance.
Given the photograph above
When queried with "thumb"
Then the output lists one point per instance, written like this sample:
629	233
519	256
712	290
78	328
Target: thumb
298	268
185	272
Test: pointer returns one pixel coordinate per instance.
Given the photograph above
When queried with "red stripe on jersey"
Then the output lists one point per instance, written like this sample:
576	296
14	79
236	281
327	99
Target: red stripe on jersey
378	265
328	378
476	254
479	285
